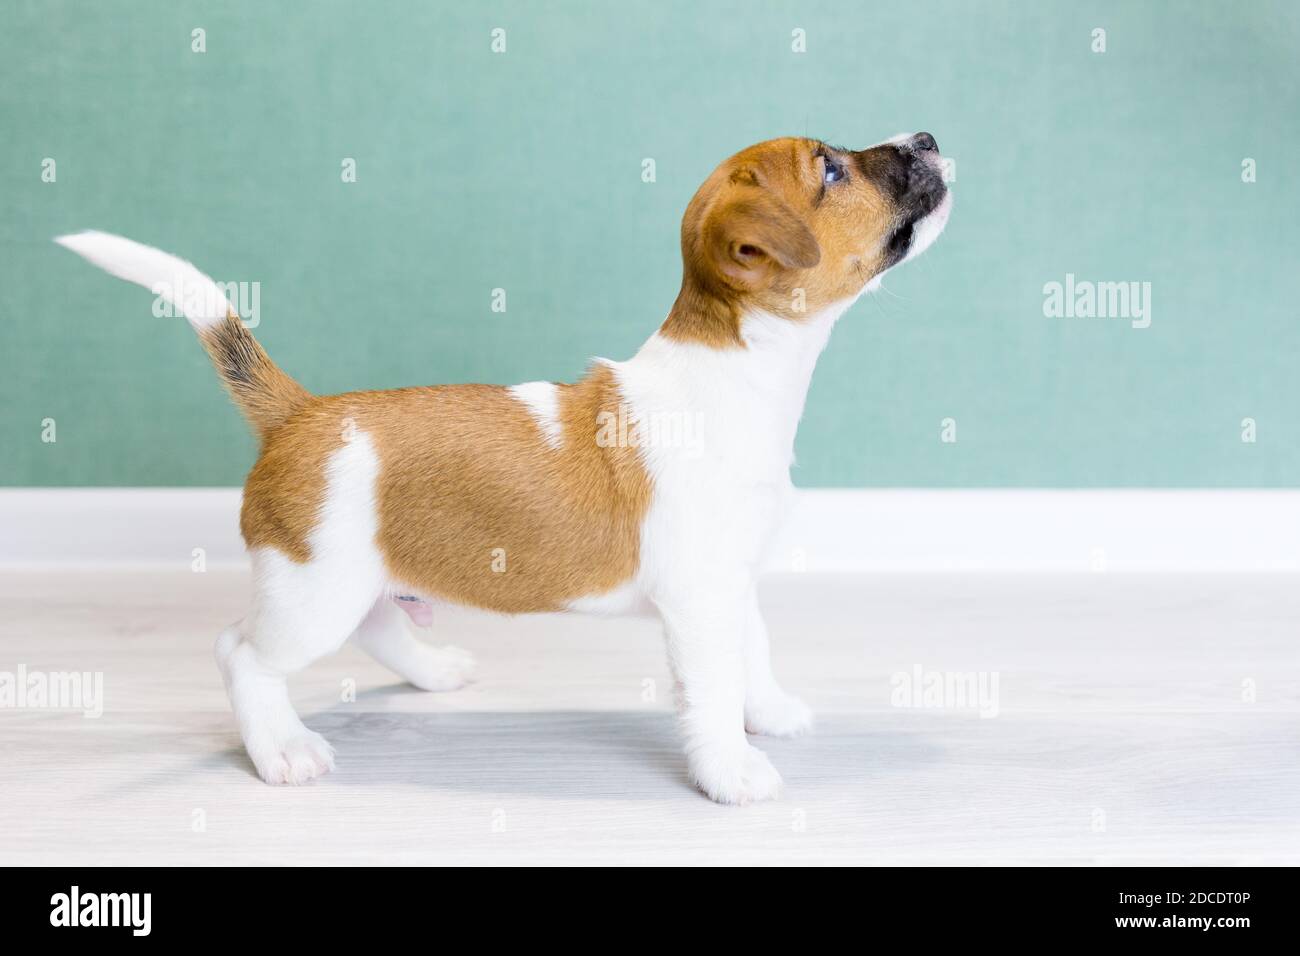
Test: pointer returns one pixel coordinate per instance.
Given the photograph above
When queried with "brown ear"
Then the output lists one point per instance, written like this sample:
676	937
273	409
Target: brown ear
750	238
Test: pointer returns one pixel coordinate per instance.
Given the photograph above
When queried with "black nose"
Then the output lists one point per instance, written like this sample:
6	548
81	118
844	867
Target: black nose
923	143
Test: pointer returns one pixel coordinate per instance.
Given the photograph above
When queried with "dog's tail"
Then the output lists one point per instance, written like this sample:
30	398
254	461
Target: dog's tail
263	391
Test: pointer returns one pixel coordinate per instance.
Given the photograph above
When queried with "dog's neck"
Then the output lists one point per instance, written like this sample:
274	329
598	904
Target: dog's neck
749	393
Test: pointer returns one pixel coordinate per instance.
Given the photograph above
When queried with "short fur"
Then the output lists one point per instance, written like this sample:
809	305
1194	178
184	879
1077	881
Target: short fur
654	482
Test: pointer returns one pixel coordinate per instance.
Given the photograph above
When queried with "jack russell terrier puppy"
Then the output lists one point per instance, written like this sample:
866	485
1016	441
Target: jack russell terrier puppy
365	505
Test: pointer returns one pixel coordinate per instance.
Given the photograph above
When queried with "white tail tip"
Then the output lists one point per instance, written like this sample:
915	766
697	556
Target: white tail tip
187	289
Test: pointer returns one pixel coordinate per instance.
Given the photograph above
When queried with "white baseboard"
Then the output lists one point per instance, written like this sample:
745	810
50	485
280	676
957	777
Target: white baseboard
831	530
77	527
1033	530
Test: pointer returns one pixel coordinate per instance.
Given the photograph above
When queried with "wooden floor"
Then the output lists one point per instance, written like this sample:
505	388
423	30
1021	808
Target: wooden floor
1126	732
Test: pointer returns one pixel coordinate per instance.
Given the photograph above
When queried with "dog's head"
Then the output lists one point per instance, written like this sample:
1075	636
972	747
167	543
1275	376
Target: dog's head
793	226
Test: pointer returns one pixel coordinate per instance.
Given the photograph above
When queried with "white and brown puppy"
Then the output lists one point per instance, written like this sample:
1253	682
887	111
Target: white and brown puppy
550	497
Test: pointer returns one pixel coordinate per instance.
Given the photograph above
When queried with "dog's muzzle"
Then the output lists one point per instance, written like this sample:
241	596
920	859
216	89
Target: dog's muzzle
907	170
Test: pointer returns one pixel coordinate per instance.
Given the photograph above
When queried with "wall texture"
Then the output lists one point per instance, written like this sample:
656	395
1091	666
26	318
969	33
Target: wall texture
522	170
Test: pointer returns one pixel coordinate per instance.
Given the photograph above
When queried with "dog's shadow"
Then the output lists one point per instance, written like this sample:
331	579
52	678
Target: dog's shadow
599	754
569	754
575	754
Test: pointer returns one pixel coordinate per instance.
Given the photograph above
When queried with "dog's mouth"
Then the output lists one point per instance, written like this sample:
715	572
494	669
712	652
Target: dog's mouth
919	227
900	241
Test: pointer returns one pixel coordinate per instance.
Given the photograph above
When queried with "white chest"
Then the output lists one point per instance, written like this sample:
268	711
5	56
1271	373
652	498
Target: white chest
716	429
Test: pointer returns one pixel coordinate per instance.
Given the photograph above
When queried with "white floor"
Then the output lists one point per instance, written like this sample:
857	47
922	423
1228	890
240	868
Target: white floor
1126	732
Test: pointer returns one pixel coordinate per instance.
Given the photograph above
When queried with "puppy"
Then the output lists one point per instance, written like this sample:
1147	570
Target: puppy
651	483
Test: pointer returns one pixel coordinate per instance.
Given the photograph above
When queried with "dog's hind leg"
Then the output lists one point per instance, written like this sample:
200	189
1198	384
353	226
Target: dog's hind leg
303	610
386	636
282	748
300	614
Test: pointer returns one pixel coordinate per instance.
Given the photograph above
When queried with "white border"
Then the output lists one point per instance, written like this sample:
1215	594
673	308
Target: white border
830	531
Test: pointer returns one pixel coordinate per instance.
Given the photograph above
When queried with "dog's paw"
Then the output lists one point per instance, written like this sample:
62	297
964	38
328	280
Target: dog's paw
734	775
441	668
778	715
295	759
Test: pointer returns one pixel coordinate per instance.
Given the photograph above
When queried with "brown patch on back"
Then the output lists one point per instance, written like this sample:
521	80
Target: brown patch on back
464	471
761	227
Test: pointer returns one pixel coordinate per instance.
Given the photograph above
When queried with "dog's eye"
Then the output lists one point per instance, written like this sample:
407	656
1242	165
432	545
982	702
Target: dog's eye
834	171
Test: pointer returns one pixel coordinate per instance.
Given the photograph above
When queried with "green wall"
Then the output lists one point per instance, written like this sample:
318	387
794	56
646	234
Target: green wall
522	170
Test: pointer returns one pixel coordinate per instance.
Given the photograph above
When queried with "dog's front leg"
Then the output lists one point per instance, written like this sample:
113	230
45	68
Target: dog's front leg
769	710
706	635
